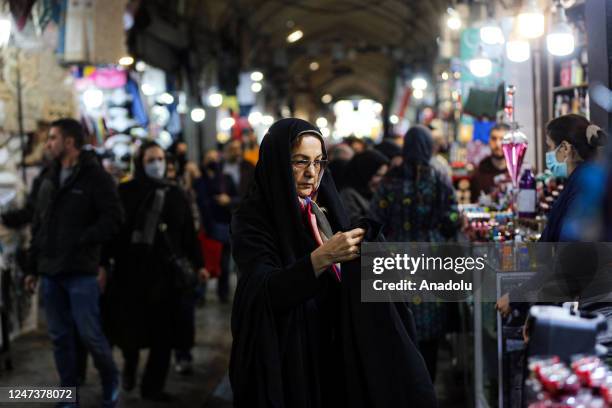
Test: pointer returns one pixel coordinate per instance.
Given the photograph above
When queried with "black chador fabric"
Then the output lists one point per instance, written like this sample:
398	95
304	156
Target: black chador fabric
302	341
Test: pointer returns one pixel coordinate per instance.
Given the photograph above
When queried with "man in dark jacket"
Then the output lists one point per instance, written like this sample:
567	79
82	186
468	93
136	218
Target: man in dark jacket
77	210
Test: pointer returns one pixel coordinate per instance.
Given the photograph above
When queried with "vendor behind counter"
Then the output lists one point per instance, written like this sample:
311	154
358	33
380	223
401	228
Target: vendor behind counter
491	166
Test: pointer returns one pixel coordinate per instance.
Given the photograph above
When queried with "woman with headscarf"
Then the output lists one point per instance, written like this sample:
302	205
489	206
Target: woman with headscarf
573	144
365	172
143	301
416	204
301	336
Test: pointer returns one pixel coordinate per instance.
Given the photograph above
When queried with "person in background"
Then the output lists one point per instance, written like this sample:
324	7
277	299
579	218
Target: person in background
76	211
216	197
415	204
171	167
240	170
492	165
357	144
183	356
392	150
19	218
187	171
366	171
438	161
339	156
251	147
145	291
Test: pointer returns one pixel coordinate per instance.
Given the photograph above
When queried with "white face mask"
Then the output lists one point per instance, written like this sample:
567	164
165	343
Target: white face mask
155	169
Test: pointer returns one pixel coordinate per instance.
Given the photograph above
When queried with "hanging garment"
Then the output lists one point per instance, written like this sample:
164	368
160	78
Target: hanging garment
94	31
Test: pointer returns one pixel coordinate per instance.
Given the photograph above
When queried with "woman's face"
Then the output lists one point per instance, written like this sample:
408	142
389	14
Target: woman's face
153	154
306	165
562	153
377	178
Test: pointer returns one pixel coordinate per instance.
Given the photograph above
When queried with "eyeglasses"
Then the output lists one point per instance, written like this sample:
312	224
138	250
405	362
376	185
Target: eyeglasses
304	164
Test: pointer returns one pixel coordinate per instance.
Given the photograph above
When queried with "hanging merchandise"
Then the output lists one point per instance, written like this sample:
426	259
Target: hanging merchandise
138	107
94	31
20	10
515	141
46	89
48	11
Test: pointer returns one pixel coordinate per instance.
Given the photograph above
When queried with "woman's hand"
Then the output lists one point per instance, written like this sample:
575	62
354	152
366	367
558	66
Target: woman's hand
342	247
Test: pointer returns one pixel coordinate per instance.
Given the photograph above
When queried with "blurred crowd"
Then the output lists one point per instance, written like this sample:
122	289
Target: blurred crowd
124	256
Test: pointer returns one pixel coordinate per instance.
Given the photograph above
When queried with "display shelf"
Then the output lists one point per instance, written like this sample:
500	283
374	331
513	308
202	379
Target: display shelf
557	89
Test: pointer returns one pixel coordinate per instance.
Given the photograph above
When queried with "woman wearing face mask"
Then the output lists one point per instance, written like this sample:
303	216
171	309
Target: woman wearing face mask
572	142
364	174
143	298
301	335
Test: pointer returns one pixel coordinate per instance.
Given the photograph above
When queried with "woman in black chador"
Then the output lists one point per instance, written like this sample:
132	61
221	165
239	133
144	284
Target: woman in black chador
143	300
302	336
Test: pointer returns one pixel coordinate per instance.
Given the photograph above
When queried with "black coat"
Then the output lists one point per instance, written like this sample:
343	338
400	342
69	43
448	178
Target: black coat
301	341
140	304
72	222
20	217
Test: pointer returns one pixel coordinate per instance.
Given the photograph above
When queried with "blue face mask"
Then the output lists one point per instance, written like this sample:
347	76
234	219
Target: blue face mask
558	169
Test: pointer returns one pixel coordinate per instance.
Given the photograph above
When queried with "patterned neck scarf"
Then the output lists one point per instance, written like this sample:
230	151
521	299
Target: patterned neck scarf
319	226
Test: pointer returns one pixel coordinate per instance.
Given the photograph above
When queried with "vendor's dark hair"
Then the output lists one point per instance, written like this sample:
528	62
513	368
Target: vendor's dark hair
139	157
500	126
572	128
71	128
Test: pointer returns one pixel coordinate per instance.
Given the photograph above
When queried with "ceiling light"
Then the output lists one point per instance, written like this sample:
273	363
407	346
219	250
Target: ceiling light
394	119
255	118
215	99
327	98
198	115
517	48
256	87
418	93
256	76
126	61
419	83
321	122
560	39
531	20
491	33
481	65
314	65
295	36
